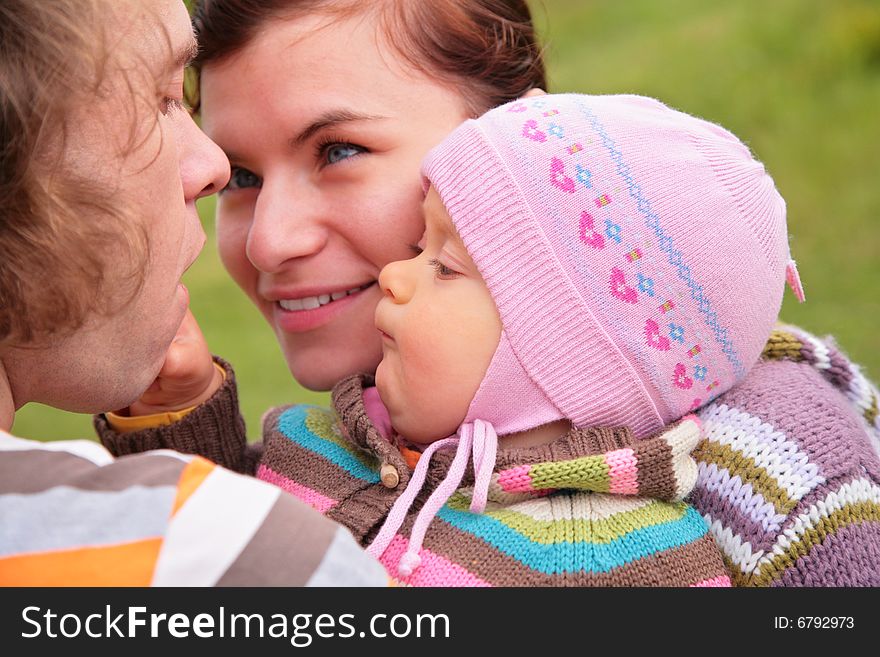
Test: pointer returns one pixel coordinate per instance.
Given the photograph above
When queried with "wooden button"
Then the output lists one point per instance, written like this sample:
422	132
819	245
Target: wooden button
389	476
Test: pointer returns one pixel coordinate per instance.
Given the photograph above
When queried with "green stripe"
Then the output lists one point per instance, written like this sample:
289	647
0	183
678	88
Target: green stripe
737	463
585	473
604	530
858	512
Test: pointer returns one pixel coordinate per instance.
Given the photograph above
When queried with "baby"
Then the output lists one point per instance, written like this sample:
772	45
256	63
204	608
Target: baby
592	270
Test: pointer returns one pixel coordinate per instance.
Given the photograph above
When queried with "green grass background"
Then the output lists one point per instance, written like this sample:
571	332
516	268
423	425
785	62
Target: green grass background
798	80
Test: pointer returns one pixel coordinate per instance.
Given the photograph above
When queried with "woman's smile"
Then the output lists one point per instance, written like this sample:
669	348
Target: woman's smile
306	313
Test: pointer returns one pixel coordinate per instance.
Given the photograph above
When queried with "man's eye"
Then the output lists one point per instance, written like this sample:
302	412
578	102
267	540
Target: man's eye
240	178
337	152
169	105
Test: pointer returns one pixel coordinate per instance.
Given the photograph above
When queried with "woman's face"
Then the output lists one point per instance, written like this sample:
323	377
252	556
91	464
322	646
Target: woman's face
325	131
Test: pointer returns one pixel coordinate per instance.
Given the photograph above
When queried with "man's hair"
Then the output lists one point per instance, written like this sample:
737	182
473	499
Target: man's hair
486	49
57	224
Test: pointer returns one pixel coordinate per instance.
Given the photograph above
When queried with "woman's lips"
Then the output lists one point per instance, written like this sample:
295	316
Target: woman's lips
309	313
313	302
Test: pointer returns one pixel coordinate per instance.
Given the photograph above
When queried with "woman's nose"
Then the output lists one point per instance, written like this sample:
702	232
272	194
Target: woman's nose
287	224
396	281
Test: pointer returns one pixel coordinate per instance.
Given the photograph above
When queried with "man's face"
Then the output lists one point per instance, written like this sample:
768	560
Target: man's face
138	142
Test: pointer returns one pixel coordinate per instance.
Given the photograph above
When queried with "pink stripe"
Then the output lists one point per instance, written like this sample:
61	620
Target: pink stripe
623	471
434	570
308	495
722	581
516	480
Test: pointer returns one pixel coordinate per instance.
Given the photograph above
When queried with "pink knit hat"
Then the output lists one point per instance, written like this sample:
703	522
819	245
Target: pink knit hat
637	256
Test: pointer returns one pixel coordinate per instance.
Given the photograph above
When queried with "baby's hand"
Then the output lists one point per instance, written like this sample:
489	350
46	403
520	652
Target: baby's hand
187	378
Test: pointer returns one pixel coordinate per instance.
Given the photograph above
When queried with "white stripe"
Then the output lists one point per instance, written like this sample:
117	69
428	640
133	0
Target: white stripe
821	353
750	503
740	552
737	550
345	563
186	458
577	506
211	529
853	492
86	449
64	517
767	447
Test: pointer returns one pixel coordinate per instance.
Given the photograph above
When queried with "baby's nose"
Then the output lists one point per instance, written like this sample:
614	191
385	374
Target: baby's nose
395	281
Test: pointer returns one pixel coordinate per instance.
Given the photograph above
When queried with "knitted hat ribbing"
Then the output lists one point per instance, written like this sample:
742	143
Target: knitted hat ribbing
637	257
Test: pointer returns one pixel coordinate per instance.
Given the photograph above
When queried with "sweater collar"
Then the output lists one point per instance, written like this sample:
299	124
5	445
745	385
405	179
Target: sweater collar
661	464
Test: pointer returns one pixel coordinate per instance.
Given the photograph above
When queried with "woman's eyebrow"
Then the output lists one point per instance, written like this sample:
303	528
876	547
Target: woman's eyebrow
328	119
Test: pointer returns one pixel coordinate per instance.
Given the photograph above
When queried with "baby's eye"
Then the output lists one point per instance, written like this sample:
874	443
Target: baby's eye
336	152
441	270
241	178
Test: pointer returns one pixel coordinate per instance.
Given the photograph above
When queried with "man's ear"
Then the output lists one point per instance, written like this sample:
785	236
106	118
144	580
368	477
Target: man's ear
534	91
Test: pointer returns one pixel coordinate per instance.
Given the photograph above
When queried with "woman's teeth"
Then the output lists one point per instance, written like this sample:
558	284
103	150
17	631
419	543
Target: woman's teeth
310	303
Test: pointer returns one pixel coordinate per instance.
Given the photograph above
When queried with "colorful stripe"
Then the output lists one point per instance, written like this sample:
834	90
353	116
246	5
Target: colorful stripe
516	480
623	471
542	509
191	478
747	437
309	427
598	557
578	522
227	510
731	472
742	496
435	570
792	343
722	581
618	471
308	495
126	564
854	502
52	519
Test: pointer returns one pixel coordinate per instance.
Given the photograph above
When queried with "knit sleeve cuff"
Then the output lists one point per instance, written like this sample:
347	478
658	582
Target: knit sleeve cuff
214	430
128	424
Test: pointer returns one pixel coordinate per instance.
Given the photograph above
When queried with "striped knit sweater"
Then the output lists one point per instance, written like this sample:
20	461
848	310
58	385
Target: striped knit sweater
788	480
789	475
594	508
72	515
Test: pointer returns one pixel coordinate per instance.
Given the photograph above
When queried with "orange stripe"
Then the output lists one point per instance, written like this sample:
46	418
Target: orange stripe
126	564
411	457
191	478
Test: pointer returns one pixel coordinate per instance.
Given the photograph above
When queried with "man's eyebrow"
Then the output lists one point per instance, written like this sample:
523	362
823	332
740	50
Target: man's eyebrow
186	54
328	119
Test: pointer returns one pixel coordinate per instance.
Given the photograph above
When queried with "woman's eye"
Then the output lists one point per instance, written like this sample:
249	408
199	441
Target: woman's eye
337	152
240	178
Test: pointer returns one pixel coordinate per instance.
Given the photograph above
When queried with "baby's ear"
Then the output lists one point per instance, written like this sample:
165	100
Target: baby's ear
534	91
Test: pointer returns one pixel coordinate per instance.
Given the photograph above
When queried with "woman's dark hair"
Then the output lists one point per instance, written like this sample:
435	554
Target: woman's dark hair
485	48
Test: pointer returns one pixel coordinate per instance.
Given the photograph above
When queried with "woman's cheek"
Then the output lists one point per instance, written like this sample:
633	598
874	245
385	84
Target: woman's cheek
232	238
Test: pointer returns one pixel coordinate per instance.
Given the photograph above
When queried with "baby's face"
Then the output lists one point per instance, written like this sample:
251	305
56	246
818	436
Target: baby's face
440	329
